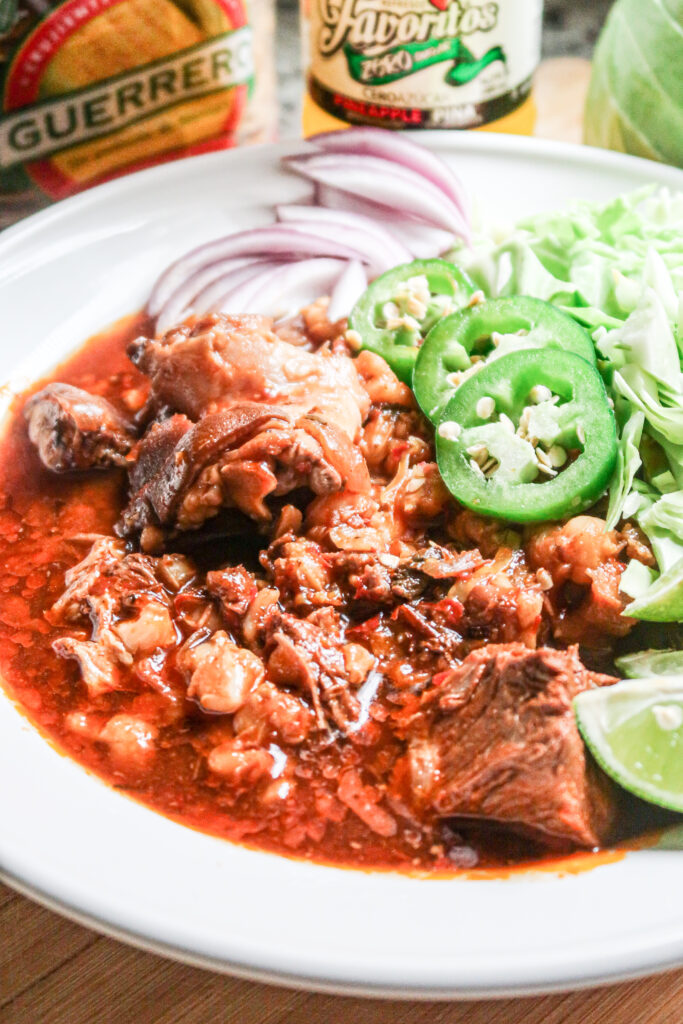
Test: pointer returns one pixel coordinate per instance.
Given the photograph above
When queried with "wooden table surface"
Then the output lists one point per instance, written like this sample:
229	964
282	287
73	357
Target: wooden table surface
55	972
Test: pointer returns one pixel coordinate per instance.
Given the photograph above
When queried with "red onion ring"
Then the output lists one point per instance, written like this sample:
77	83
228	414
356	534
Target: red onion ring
349	287
274	240
420	239
182	300
314	215
400	150
279	292
382	182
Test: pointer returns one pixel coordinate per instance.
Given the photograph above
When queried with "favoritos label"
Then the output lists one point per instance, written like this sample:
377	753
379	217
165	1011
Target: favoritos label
452	64
102	87
364	26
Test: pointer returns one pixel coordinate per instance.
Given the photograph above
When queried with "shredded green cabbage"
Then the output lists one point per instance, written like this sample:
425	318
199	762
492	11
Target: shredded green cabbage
628	464
618	269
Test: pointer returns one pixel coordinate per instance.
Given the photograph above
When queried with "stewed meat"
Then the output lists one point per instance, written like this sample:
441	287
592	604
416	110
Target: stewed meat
496	739
74	430
122	609
235	458
221	360
309	655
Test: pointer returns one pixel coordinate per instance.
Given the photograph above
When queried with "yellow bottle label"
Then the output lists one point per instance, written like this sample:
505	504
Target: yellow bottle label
520	122
422	63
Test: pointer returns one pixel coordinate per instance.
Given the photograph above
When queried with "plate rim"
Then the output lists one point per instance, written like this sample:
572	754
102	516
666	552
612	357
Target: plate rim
316	983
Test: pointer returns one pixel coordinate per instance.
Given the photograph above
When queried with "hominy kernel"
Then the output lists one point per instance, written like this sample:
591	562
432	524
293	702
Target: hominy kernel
388	561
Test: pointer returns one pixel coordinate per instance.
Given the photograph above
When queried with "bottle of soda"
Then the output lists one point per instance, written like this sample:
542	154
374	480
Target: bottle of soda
411	64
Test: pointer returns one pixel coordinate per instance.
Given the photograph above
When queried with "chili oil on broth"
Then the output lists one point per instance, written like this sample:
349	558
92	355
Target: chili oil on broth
42	517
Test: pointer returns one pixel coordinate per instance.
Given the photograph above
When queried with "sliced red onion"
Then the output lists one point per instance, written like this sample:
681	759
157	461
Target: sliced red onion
272	241
211	298
379	255
396	147
383	182
380	200
314	215
420	239
350	286
181	302
285	290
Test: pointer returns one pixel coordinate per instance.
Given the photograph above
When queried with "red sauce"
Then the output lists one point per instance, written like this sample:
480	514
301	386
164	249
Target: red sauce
40	515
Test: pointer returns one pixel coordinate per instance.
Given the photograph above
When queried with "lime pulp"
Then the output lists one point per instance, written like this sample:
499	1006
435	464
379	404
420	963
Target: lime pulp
634	730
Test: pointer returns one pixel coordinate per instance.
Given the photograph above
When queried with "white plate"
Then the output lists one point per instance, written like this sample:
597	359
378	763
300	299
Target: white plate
72	842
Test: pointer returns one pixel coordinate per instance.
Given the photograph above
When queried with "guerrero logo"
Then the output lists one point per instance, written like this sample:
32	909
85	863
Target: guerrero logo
382	46
102	87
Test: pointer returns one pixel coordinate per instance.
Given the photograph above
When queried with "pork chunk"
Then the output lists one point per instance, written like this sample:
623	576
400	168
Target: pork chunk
221	360
497	740
126	601
234	458
309	656
234	589
74	430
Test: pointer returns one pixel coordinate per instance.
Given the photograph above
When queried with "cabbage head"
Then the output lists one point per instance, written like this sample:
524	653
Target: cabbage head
635	98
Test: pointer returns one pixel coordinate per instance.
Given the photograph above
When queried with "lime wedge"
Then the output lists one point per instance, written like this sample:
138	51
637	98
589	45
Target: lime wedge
634	730
651	663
